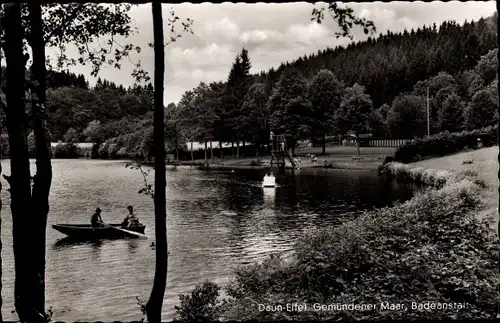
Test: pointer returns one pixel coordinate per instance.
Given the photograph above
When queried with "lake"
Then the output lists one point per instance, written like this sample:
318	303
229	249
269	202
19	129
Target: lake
217	221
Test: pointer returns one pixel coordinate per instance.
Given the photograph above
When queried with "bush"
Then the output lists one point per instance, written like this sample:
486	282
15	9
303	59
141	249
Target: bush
68	150
122	152
4	142
103	150
445	143
113	150
432	248
431	177
257	162
201	305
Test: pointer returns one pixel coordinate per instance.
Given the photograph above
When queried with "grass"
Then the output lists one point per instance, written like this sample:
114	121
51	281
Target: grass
337	157
350	151
432	248
485	164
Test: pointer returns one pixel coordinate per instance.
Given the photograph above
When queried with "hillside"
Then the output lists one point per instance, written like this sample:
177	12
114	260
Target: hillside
376	86
393	63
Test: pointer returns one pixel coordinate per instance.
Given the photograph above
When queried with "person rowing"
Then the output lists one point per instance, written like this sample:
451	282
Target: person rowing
130	220
95	219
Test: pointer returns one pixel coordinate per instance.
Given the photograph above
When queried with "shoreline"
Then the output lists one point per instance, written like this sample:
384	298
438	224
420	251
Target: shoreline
328	162
378	250
367	162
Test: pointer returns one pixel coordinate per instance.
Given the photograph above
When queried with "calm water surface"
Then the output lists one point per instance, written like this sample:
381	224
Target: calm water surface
216	221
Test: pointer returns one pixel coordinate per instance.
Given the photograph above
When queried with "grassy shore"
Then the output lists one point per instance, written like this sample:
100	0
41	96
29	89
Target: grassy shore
432	255
484	163
338	157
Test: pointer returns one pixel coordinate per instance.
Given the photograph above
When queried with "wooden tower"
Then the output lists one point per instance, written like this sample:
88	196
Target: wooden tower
279	152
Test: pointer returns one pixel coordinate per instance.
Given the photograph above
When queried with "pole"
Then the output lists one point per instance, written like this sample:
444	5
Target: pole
428	117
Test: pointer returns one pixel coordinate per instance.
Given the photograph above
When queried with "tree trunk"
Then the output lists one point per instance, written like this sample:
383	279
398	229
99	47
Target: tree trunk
20	179
192	156
1	265
232	147
243	150
95	150
323	144
43	178
237	147
221	150
155	302
498	139
206	155
211	151
176	143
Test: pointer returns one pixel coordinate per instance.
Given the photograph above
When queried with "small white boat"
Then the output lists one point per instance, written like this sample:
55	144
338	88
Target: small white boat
269	181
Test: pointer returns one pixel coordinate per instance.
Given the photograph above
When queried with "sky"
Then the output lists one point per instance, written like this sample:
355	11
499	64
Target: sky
272	33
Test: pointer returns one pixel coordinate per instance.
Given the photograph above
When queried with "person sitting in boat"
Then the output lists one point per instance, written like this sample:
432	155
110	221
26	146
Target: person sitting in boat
96	219
131	220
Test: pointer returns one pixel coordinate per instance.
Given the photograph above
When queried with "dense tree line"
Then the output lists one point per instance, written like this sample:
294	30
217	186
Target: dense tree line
80	113
378	86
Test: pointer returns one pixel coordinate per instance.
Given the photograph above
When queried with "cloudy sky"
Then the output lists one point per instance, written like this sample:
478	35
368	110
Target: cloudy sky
273	33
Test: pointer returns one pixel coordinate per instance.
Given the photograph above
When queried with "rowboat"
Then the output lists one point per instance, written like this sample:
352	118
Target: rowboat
88	232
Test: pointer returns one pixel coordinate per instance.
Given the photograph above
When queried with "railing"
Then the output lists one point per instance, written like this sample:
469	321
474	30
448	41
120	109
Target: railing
375	142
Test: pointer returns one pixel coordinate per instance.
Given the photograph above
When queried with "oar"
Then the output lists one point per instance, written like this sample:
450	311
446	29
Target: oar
137	234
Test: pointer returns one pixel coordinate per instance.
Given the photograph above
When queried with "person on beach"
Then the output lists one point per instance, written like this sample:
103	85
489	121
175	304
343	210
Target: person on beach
130	220
96	219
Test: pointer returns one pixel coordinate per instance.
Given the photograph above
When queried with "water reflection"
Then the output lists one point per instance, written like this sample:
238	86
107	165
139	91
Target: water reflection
216	222
70	242
269	194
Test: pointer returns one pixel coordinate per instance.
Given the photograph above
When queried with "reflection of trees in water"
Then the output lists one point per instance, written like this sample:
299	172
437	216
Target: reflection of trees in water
238	194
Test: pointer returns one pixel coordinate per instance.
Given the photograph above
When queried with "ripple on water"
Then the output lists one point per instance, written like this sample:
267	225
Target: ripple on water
216	222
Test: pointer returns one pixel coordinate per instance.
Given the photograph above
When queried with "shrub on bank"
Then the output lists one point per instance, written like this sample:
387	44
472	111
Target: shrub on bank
445	143
257	162
4	145
431	177
66	150
431	248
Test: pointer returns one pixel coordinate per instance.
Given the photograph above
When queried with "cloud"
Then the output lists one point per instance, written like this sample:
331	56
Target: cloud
308	34
273	33
224	28
258	37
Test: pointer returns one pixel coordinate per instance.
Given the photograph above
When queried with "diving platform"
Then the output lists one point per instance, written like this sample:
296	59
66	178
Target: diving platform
279	152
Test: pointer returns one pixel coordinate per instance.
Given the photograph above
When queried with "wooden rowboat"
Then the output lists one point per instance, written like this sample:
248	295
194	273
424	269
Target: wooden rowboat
88	232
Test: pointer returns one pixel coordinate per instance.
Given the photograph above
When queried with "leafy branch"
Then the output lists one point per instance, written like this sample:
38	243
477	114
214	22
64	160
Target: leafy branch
173	21
148	189
345	18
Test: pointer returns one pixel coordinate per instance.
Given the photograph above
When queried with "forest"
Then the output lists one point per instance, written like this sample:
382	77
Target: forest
378	86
